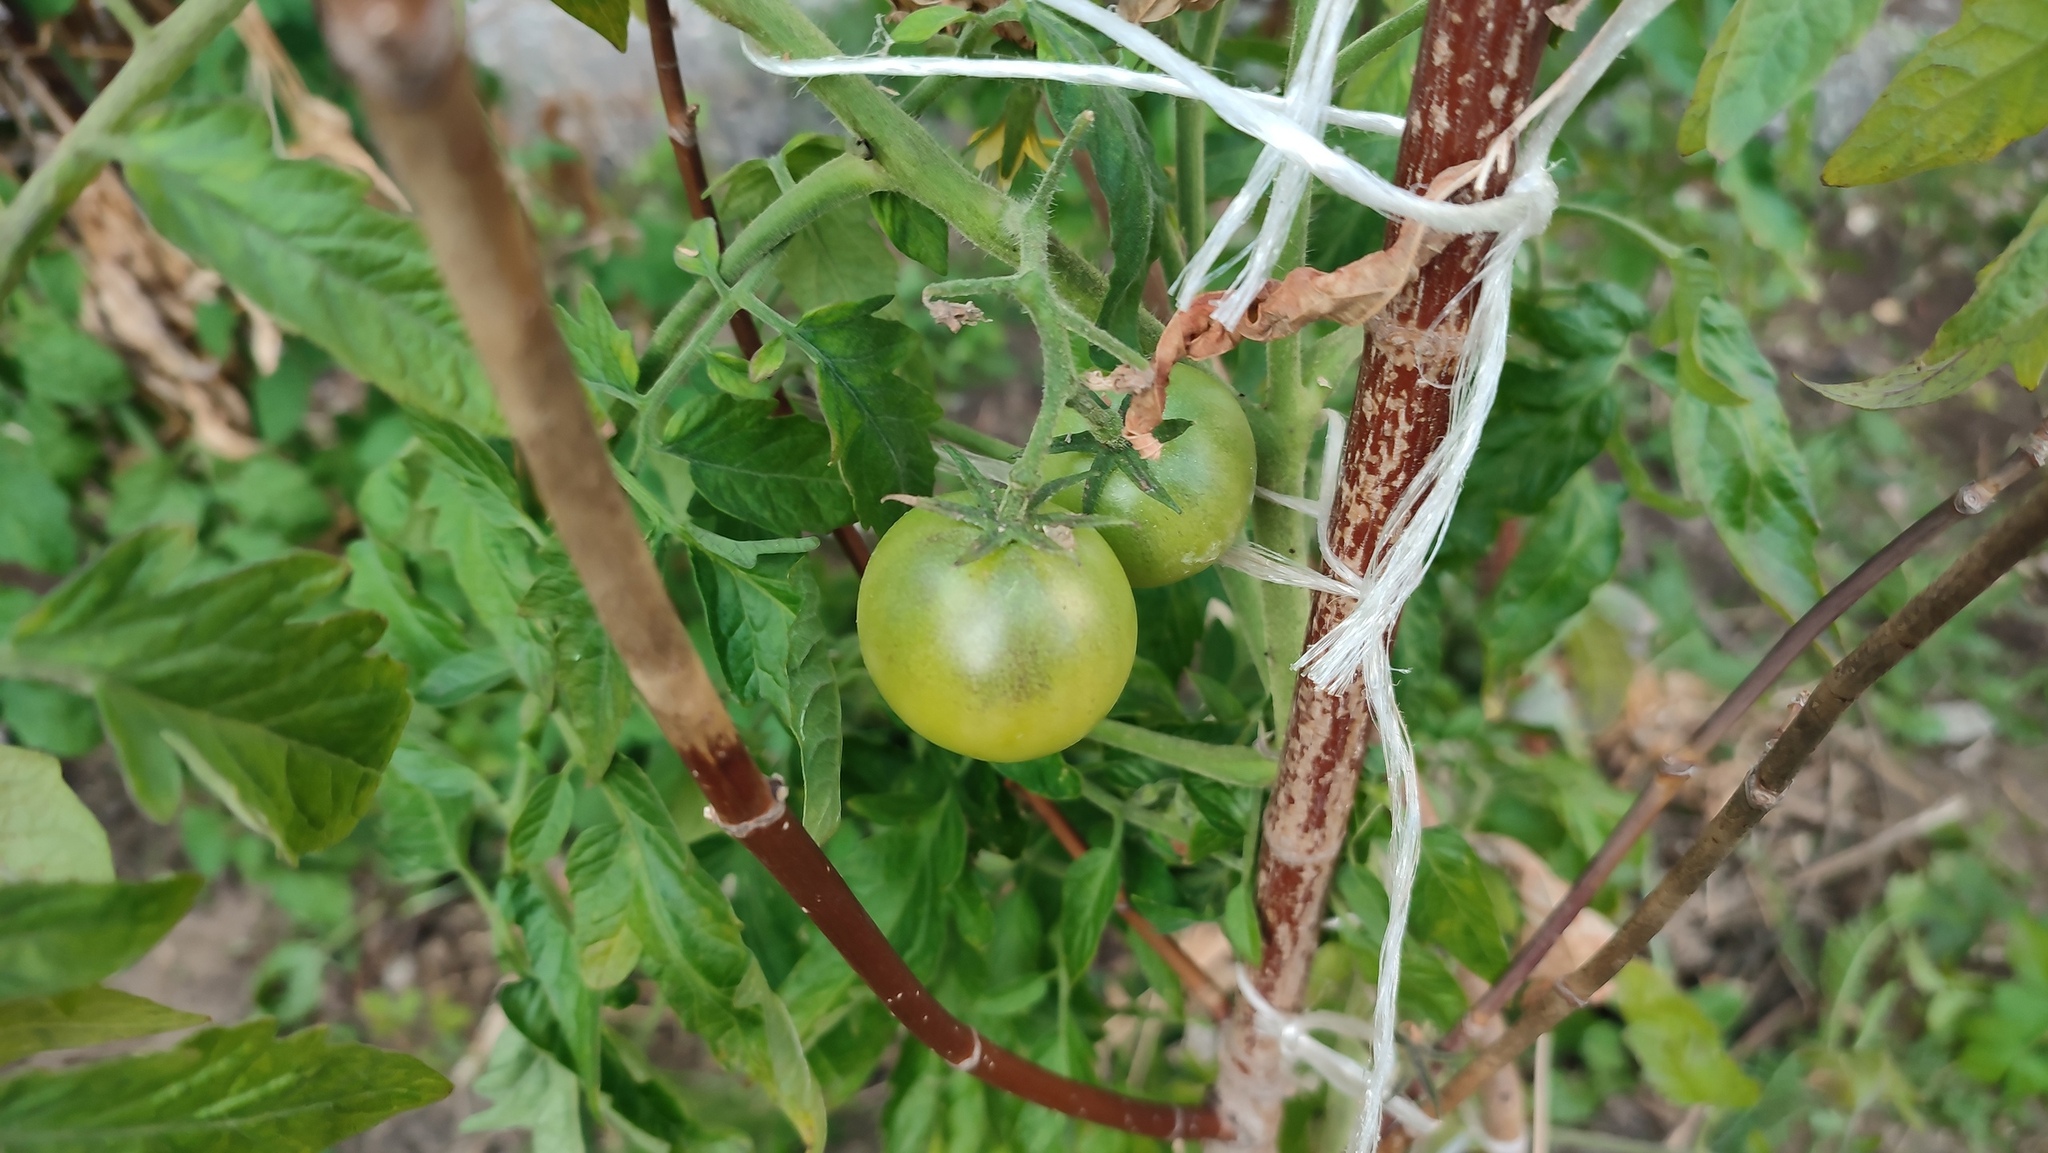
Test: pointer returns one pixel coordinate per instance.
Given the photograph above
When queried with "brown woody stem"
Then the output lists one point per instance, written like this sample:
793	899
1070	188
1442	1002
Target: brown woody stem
2007	544
1474	74
405	57
1676	769
1192	978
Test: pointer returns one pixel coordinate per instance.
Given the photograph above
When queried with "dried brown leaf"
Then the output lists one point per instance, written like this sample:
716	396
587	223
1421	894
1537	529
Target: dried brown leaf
322	128
954	314
1538	889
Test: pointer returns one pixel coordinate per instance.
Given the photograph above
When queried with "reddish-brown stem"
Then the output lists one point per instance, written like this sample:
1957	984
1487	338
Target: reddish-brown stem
689	155
1478	62
406	59
682	141
2007	544
1192	978
1677	768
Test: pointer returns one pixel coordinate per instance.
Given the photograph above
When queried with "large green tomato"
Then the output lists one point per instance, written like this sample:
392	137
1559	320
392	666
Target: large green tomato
1210	470
1009	657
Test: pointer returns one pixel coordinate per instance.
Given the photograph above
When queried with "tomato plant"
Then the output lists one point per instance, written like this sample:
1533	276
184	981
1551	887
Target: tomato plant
692	647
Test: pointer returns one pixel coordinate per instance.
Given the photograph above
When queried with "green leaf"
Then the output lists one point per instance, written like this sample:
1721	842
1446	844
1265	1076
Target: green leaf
768	470
593	694
298	238
428	803
916	231
66	934
1231	764
1974	89
1717	359
1050	777
2005	321
607	948
771	643
1568	551
1678	1046
1768	53
35	513
529	1090
571	1005
543	821
62	365
1453	906
81	1017
691	946
46	832
1241	924
1545	426
880	422
288	720
1087	897
239	1088
924	23
838	257
50	718
607	18
1123	156
603	351
417	631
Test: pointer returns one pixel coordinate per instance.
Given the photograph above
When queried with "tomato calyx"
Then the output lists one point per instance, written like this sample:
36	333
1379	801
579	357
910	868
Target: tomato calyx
1002	519
1114	454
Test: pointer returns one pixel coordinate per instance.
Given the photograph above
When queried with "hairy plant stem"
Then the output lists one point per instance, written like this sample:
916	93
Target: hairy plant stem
405	57
1472	79
156	64
1212	1000
926	169
2008	543
1679	767
1380	38
1190	128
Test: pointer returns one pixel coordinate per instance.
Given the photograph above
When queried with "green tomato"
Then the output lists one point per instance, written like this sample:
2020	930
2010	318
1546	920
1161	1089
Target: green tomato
1210	470
1009	657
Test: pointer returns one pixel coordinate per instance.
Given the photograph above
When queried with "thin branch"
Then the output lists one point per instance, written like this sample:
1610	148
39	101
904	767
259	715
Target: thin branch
27	220
1678	768
2006	545
406	59
1192	978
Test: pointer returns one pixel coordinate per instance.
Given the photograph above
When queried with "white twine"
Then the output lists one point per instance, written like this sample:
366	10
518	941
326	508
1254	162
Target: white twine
1291	131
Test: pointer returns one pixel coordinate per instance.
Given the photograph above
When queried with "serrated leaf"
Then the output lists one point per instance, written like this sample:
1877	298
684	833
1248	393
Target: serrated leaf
62	935
772	645
571	1005
289	721
1741	463
1050	777
1973	89
1122	152
2005	321
1087	897
528	1090
916	231
1767	54
543	821
298	238
768	470
46	832
734	376
1678	1046
880	422
81	1017
223	1088
602	351
60	364
417	631
428	803
837	258
1568	551
606	946
35	513
691	946
1713	363
593	694
924	23
1453	907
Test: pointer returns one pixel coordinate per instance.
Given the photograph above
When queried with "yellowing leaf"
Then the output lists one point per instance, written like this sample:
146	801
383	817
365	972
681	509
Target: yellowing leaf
1971	91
